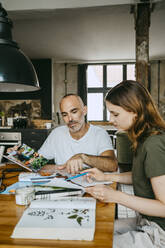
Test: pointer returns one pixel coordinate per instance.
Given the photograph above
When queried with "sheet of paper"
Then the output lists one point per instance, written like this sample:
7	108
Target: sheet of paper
79	182
67	202
83	182
34	177
61	182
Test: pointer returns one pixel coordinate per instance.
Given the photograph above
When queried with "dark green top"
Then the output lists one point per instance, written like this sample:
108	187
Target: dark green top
149	162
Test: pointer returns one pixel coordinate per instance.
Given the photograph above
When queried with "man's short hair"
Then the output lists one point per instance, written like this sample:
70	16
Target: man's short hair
72	94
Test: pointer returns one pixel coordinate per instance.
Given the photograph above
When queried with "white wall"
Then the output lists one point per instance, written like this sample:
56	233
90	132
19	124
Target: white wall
105	33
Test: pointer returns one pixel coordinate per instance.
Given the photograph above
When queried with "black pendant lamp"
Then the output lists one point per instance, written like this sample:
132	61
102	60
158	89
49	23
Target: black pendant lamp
17	73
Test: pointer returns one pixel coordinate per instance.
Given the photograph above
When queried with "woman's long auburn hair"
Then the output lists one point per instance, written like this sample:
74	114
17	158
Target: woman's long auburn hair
133	97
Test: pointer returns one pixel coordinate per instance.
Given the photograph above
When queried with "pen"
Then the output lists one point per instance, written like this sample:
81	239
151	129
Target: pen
79	175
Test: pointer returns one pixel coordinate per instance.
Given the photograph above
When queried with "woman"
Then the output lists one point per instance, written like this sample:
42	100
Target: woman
133	110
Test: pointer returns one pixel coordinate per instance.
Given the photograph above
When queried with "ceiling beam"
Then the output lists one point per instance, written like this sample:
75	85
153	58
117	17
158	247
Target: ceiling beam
18	5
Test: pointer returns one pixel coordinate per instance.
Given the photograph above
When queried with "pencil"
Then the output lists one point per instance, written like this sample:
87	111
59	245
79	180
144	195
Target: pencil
79	175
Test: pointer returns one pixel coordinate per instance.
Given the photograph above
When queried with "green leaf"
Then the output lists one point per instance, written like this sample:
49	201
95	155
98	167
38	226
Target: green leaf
79	220
73	216
75	210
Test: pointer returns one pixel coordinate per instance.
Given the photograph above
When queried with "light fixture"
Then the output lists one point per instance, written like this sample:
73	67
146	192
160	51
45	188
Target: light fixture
17	73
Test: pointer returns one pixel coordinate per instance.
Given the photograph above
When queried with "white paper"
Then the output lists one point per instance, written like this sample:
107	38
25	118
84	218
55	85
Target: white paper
61	182
83	182
33	177
68	202
78	183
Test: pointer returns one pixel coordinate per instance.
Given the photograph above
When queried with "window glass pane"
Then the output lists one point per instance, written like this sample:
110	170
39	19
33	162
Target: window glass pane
95	76
114	75
95	106
131	72
108	116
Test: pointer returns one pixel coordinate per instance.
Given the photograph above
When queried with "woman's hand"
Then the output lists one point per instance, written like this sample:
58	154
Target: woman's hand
103	193
94	173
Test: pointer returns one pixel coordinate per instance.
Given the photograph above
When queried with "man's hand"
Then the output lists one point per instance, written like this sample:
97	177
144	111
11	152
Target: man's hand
13	148
48	169
74	165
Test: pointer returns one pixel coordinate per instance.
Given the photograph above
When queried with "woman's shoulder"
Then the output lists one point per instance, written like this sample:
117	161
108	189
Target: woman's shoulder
155	140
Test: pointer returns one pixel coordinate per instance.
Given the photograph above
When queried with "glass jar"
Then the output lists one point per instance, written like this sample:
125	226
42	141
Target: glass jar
24	195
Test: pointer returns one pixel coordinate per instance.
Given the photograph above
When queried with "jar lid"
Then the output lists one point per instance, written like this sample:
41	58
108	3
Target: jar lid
25	190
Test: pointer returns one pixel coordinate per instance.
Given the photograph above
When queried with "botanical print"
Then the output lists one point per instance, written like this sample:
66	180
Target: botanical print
72	216
66	218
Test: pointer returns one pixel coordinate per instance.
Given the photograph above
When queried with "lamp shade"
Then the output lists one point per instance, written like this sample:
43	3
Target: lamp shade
17	73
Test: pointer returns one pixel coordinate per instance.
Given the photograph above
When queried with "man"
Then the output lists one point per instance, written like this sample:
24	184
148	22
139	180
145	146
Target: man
77	142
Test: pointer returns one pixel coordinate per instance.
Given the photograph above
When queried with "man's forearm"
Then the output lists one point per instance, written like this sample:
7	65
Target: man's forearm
104	163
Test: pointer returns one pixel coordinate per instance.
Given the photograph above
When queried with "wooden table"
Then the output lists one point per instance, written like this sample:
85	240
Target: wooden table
10	214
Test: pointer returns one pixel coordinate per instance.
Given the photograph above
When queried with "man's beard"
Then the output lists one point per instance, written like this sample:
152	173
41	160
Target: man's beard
77	127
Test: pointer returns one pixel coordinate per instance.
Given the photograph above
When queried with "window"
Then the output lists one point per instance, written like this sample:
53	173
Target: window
100	78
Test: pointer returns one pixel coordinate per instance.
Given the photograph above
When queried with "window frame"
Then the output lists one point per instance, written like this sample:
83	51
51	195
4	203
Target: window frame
104	89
